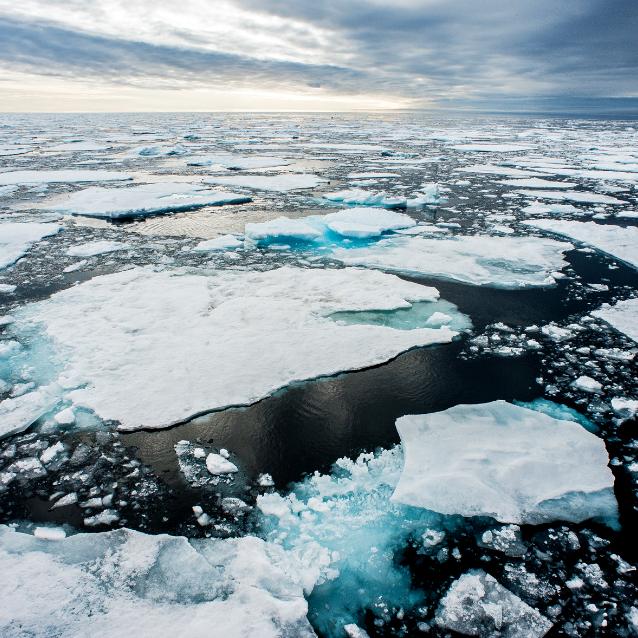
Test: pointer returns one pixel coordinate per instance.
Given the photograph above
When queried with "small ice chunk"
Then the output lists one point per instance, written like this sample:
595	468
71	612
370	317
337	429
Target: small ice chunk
105	517
64	501
282	227
587	384
49	533
223	242
361	197
52	452
65	417
354	631
217	464
627	408
478	605
93	248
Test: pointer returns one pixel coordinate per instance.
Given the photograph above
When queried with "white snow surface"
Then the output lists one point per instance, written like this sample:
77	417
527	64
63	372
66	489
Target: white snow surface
501	262
16	238
125	583
361	197
573	196
505	461
278	183
616	241
146	199
478	605
223	242
61	176
623	316
151	349
93	248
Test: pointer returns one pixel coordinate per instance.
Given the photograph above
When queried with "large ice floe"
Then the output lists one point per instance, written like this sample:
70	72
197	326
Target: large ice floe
146	199
501	262
504	461
478	605
278	183
616	241
355	223
150	349
124	583
16	238
71	176
623	316
238	162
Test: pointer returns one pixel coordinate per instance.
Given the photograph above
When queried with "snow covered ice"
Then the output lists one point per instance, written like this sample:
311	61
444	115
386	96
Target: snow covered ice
125	582
17	238
502	262
623	316
61	176
146	199
616	241
508	462
279	183
144	322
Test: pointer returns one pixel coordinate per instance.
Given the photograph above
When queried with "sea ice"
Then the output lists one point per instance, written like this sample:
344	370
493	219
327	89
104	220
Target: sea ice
623	316
573	196
146	199
501	262
61	176
505	461
123	583
16	238
492	148
93	248
217	464
223	242
131	340
535	182
282	228
491	169
238	162
537	208
478	605
278	183
361	197
616	241
18	413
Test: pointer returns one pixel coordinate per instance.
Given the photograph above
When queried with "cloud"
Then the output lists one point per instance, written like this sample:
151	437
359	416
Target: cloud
457	53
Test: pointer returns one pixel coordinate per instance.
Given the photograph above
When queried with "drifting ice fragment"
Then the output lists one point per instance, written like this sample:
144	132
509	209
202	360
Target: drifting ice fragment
147	199
93	248
478	605
504	461
622	316
217	464
501	262
223	242
616	241
279	183
17	238
63	177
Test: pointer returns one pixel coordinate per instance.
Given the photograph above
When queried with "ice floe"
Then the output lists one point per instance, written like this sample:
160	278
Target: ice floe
502	262
478	605
428	194
573	196
93	248
223	242
278	183
130	341
61	176
146	199
492	148
16	238
616	241
505	461
238	162
623	316
357	223
538	208
122	582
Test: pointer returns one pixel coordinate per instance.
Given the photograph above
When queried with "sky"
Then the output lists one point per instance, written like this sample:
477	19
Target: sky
318	55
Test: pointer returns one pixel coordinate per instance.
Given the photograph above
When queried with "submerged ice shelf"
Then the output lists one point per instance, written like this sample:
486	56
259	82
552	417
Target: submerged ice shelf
150	349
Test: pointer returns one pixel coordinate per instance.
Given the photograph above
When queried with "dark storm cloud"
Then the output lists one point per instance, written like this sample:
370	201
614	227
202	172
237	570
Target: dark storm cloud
461	51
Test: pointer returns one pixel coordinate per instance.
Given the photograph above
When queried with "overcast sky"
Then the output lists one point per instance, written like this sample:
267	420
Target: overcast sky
61	55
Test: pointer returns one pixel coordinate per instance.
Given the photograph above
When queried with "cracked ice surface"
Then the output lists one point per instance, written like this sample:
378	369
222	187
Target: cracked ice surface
119	583
504	461
150	349
501	262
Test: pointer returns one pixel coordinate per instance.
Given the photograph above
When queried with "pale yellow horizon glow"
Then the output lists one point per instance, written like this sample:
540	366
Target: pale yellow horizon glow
25	93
